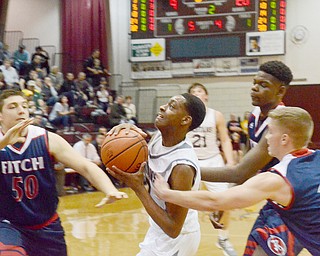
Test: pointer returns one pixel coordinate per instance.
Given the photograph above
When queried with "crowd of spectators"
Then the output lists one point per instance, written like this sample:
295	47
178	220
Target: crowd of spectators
58	98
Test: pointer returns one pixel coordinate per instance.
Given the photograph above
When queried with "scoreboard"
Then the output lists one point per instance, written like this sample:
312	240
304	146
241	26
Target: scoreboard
192	24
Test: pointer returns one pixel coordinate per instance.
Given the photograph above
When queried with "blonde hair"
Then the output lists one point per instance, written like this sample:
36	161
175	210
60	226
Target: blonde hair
296	121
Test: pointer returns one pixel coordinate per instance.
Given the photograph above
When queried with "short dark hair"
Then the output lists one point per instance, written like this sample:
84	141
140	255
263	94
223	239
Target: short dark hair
196	109
194	85
279	70
8	93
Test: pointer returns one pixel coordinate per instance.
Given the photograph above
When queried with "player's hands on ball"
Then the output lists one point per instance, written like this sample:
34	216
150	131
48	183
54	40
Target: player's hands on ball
112	197
133	180
116	129
161	187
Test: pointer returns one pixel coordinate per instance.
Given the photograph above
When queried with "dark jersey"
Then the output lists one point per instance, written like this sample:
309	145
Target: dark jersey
28	195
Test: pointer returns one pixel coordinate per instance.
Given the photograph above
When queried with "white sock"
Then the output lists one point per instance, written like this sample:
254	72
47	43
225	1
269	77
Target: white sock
223	234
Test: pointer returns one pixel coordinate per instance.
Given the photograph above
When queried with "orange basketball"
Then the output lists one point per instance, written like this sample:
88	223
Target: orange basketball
125	151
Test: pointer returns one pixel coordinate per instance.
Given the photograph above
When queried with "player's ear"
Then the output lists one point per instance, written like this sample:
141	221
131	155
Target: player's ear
282	91
284	139
186	120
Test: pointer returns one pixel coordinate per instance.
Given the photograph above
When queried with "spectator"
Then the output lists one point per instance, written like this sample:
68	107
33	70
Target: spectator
118	114
90	68
88	151
103	97
235	132
85	88
49	93
21	60
4	53
56	77
10	73
36	65
130	109
70	90
44	58
61	114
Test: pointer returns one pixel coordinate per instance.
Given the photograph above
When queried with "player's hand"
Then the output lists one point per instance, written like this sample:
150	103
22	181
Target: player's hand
161	187
16	133
133	180
116	129
112	197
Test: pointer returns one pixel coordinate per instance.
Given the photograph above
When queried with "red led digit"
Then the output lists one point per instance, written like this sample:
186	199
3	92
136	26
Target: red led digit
191	25
242	3
174	4
218	23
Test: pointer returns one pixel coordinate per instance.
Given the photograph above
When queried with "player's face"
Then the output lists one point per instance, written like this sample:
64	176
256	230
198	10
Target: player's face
274	138
266	90
15	109
172	113
200	93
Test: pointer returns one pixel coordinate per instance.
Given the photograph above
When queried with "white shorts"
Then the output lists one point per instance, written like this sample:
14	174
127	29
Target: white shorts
157	243
216	161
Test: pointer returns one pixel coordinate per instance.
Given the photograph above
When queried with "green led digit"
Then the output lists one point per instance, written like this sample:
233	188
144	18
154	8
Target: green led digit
211	9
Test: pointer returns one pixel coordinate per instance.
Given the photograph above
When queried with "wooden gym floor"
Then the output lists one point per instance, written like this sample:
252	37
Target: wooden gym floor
117	229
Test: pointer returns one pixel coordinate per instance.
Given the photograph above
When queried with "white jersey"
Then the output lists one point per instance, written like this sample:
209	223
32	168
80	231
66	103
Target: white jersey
162	160
204	138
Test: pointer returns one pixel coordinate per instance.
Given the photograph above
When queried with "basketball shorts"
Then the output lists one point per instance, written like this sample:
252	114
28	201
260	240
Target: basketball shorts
48	241
157	243
272	235
216	161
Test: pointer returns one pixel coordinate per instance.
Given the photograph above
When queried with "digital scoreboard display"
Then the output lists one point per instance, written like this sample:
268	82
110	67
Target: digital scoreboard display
181	21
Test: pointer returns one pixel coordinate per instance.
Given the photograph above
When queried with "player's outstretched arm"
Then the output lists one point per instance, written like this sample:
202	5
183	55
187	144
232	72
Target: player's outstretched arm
258	188
64	153
172	218
254	160
15	134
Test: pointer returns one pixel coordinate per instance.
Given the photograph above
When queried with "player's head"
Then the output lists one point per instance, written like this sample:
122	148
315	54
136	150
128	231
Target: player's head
270	84
199	90
182	111
289	123
278	70
13	108
196	109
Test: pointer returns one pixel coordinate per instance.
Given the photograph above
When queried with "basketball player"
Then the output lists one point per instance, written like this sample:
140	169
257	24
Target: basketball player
268	89
29	223
297	201
205	143
174	230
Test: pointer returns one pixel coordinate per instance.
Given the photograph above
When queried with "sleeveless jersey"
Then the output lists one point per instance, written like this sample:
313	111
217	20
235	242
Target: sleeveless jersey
301	170
204	138
162	160
28	195
256	130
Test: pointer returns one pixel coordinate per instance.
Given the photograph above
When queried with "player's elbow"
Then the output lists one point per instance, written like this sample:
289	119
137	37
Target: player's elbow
174	233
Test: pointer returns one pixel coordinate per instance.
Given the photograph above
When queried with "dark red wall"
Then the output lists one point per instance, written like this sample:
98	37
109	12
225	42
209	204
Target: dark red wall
307	97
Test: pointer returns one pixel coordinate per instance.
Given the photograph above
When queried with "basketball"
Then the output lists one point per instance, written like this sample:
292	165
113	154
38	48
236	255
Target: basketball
125	151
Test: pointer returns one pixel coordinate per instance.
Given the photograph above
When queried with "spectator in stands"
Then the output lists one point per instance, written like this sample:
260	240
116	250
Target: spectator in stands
49	93
103	96
21	60
56	77
44	58
69	89
85	88
102	130
4	53
130	109
33	94
10	73
36	65
61	114
87	150
3	84
91	69
118	114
